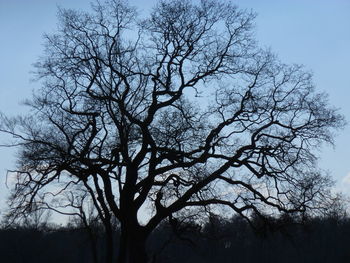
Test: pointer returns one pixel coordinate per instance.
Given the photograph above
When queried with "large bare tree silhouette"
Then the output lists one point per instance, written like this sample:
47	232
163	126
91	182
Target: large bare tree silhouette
177	114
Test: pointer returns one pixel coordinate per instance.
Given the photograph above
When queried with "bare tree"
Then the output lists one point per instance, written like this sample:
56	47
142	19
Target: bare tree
176	114
76	204
36	216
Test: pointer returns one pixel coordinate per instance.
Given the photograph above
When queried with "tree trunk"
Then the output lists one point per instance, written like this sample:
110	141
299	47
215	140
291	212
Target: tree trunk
132	248
109	244
93	244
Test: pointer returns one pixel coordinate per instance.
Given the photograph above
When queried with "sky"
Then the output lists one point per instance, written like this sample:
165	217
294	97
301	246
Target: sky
315	33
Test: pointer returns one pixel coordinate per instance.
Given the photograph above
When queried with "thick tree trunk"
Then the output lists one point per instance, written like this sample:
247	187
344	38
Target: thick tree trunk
132	248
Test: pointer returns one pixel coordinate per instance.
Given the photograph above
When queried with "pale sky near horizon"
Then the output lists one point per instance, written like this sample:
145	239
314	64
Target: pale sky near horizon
315	33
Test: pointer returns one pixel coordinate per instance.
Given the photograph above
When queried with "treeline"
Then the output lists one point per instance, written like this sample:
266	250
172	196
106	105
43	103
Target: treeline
316	240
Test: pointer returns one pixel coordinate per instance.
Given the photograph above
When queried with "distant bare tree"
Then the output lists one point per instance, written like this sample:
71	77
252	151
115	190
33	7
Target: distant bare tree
35	216
174	114
76	204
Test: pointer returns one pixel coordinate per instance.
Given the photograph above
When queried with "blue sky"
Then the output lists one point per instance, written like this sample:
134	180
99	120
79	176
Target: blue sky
315	33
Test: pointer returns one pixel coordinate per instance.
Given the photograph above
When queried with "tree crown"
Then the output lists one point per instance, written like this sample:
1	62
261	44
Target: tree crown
177	110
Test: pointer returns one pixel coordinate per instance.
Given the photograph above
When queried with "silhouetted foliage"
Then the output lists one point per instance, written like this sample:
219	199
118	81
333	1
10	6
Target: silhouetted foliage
322	240
175	116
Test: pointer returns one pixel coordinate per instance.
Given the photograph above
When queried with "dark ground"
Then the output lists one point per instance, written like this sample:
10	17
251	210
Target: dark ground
319	240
